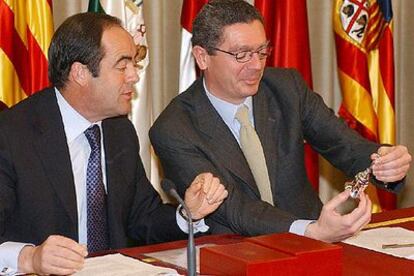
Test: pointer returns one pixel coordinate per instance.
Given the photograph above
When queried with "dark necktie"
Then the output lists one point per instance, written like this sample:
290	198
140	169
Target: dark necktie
95	194
253	152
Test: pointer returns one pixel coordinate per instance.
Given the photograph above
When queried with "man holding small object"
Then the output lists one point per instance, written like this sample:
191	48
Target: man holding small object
246	124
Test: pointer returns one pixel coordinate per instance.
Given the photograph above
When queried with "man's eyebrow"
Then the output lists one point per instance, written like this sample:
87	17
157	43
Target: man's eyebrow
248	48
122	58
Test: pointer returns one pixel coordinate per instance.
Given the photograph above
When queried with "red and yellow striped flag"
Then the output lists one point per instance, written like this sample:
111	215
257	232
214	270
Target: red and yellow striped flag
364	48
26	29
286	23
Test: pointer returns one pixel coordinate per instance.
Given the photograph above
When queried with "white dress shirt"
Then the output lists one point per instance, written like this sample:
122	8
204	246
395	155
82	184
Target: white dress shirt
227	112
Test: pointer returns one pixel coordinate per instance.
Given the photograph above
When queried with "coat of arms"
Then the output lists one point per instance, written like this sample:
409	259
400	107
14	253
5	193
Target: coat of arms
354	18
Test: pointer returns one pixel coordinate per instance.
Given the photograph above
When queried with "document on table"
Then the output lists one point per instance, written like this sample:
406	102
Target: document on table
374	239
178	257
120	265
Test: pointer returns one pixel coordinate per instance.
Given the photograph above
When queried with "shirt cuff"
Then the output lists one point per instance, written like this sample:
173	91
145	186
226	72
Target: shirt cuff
299	226
9	256
199	226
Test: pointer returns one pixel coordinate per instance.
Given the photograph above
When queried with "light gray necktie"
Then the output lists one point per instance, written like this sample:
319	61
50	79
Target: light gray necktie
253	152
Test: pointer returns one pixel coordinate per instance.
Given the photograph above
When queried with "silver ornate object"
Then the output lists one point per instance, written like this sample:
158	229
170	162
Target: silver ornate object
359	183
361	179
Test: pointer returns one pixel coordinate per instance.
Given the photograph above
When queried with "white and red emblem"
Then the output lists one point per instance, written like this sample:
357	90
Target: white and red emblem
354	18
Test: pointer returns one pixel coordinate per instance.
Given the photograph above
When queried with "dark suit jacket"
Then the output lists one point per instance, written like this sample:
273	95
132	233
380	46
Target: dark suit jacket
37	193
2	106
190	137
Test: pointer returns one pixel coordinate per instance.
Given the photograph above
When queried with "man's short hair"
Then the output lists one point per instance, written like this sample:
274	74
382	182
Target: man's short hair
78	39
215	15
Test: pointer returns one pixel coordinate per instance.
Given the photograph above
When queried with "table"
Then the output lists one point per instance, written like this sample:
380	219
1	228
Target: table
360	261
357	261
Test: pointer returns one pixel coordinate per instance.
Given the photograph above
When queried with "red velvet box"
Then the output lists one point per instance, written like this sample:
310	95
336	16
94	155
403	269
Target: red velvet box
314	257
246	259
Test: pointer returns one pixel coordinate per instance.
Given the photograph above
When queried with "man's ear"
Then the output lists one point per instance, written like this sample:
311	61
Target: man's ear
79	73
201	56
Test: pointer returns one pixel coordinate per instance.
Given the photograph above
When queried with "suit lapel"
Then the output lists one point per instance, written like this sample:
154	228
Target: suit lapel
115	181
221	140
113	151
50	142
266	116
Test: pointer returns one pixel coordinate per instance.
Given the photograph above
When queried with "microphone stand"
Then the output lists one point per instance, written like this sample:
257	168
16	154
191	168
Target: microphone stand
169	187
191	253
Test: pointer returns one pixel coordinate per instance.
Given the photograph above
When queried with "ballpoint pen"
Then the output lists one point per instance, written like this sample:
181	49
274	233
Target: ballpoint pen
397	245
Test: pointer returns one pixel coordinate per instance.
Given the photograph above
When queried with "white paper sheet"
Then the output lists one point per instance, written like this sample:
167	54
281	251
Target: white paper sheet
374	239
178	257
120	265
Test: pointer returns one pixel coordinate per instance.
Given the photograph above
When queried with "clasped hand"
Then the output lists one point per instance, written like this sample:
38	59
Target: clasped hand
391	164
204	195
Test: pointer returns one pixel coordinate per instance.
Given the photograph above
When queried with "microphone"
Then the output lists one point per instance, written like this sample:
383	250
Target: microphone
169	187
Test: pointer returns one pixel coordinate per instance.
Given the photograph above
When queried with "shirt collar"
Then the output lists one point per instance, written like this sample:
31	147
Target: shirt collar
227	110
73	122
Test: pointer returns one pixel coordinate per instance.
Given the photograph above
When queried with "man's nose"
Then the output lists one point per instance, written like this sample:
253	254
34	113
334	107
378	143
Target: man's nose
132	75
255	62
